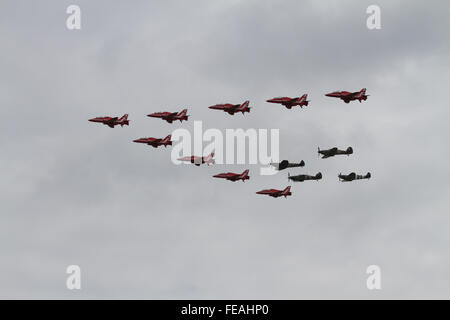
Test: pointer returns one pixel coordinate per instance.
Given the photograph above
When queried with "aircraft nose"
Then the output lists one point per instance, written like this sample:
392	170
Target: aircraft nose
92	120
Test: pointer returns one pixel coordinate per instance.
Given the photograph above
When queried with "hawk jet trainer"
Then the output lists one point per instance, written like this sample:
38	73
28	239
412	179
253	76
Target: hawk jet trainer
232	108
291	102
285	164
234	176
353	176
199	160
349	96
333	152
170	116
276	193
155	142
303	177
112	121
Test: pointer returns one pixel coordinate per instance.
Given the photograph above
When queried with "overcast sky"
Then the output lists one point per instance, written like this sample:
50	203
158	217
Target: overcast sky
76	192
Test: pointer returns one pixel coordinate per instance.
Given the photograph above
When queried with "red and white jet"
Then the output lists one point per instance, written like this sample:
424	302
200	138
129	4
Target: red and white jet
291	102
232	108
234	176
349	96
170	116
155	142
112	121
276	193
199	160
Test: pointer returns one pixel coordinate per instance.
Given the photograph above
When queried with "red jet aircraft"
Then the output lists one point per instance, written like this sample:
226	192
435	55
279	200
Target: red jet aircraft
170	116
232	108
276	193
199	160
155	142
349	96
112	121
234	176
291	102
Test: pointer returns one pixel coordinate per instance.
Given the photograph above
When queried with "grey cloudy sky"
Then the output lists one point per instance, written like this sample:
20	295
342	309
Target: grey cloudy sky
74	192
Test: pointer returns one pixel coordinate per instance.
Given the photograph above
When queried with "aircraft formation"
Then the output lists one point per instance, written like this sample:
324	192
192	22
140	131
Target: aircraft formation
231	109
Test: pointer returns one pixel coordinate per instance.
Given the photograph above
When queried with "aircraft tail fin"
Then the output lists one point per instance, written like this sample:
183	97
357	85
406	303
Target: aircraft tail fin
210	158
245	104
167	139
287	190
244	175
182	113
124	120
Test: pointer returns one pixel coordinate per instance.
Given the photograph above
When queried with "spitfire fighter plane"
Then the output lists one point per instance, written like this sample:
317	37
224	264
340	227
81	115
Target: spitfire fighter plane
353	176
232	108
286	164
276	193
333	152
112	121
199	160
170	116
291	102
349	96
234	176
155	142
303	177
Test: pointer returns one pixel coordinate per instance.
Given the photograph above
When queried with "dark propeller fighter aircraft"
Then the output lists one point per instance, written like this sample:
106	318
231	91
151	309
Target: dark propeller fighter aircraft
349	96
285	164
232	108
112	121
199	160
334	151
276	193
155	142
234	176
170	116
303	177
291	102
353	176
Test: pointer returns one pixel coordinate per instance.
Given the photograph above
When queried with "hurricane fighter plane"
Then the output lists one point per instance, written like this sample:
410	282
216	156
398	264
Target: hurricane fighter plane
352	176
170	116
232	108
349	96
333	152
155	142
303	177
234	176
286	164
199	160
291	102
276	193
112	121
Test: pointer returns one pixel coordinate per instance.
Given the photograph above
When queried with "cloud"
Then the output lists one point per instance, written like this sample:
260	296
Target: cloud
75	192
